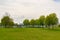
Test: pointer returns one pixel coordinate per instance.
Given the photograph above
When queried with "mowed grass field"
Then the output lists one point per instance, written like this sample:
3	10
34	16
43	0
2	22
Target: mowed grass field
29	34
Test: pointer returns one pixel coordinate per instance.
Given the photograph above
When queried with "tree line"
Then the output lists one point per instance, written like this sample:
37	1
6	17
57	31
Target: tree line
49	20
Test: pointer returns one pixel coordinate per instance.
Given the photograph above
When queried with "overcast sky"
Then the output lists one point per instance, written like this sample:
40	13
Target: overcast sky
20	9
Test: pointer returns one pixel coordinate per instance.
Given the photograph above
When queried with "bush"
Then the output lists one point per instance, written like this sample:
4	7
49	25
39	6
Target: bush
59	25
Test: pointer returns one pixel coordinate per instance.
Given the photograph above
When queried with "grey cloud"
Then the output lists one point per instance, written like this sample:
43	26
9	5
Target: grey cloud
7	2
18	2
2	2
28	8
56	0
28	4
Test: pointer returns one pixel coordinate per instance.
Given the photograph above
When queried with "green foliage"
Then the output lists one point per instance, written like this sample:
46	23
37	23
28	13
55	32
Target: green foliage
37	22
7	21
32	22
59	25
51	19
26	22
42	20
47	21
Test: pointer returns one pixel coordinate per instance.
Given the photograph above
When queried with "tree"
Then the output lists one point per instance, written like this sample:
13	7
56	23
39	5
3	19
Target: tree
37	22
7	21
42	20
26	22
51	20
32	22
47	21
54	19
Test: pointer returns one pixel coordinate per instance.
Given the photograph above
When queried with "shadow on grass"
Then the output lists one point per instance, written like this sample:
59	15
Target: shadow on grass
53	29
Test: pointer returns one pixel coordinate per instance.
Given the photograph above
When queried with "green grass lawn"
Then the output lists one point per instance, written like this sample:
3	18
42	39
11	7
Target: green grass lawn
29	34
